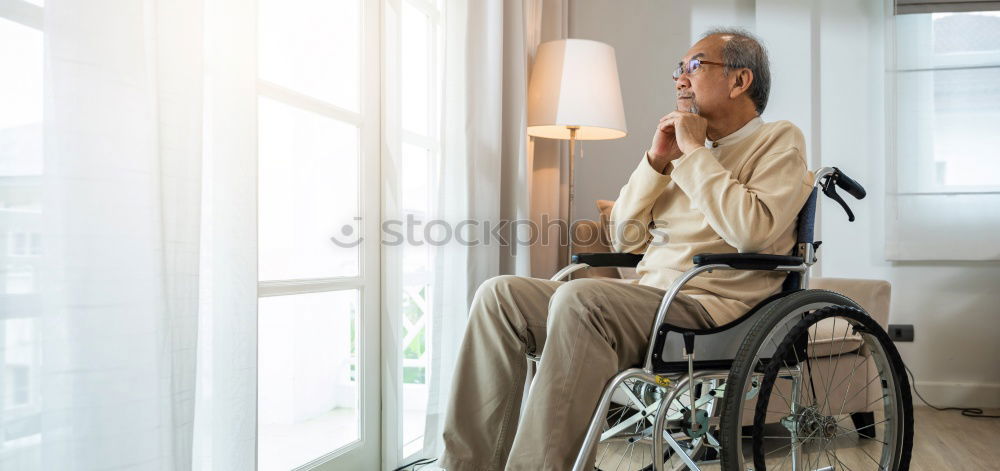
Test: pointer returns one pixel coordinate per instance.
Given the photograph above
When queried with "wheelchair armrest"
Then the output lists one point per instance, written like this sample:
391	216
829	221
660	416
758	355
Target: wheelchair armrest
746	261
605	259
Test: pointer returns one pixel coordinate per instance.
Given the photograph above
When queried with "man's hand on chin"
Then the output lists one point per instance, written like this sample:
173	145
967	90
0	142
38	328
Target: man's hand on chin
664	147
690	130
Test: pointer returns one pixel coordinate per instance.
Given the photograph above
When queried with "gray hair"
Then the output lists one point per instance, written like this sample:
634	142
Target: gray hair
744	50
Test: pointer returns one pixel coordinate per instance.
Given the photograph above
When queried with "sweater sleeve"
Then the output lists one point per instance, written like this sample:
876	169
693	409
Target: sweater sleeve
633	210
751	216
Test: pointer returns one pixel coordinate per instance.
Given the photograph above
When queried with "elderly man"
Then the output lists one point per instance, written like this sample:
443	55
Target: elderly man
716	179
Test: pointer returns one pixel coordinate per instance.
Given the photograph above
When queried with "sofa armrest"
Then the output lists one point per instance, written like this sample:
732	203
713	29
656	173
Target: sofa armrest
872	295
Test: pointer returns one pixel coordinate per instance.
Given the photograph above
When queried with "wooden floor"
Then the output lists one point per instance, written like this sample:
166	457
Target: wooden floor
943	440
948	440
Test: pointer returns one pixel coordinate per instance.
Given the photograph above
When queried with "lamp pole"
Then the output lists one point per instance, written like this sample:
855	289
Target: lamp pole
569	210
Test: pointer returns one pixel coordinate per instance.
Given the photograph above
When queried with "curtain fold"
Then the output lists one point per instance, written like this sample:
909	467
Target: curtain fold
225	427
549	167
135	277
483	174
120	210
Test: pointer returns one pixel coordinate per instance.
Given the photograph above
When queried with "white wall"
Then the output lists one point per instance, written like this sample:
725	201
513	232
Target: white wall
954	306
827	62
649	37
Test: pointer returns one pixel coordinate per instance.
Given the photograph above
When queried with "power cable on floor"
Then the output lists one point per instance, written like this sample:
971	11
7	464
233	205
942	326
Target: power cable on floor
412	466
966	411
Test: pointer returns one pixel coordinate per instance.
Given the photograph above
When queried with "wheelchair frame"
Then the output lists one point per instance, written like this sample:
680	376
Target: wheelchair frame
824	179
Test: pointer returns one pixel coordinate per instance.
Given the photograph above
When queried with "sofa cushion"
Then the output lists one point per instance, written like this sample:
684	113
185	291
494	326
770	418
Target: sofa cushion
871	295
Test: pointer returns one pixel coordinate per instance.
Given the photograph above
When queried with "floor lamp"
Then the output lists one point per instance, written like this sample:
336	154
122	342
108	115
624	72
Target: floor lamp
574	94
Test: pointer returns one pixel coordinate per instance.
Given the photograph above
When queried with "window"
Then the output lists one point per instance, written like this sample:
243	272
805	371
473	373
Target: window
18	278
949	96
338	100
319	278
20	358
414	41
22	244
945	163
21	167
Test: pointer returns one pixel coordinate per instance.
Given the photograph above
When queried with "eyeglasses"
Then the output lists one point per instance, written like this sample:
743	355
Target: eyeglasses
692	66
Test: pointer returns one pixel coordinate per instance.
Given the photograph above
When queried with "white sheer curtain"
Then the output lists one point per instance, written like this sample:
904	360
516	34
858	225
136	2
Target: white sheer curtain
146	215
483	172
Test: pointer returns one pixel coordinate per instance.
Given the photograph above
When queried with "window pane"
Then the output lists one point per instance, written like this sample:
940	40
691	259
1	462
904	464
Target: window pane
415	344
20	242
966	32
416	179
947	136
21	109
415	69
966	120
313	47
308	200
416	182
307	383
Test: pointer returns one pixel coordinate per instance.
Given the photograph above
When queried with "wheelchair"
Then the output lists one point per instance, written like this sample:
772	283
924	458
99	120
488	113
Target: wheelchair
805	380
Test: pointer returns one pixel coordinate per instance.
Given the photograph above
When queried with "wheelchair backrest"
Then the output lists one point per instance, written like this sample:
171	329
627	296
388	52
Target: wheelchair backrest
805	230
806	223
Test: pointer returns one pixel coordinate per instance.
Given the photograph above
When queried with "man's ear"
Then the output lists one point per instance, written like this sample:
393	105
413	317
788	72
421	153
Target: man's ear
741	82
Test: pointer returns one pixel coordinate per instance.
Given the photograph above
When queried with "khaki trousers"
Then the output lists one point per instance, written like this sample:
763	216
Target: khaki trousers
587	330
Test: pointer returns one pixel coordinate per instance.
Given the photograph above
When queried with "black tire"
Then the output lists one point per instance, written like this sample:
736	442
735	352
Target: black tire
790	351
779	314
896	453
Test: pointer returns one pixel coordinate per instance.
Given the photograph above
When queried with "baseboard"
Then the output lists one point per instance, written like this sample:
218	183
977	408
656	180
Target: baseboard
945	394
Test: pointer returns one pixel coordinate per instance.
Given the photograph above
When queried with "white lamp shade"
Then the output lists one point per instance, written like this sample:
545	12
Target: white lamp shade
574	82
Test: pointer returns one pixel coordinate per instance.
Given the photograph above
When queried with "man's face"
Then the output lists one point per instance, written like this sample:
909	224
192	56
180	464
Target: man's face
706	90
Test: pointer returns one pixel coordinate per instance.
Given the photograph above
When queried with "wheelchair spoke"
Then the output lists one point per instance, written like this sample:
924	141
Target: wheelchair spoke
841	462
604	451
812	384
861	359
865	388
784	460
833	374
870	456
620	461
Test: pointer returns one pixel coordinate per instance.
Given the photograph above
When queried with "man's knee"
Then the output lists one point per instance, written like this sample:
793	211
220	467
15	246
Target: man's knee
577	300
497	291
497	286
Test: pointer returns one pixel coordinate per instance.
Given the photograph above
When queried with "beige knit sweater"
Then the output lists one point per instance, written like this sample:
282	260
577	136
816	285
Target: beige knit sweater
740	193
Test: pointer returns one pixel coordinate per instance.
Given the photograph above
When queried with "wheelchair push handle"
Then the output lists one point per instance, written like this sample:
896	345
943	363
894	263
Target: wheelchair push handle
836	178
848	184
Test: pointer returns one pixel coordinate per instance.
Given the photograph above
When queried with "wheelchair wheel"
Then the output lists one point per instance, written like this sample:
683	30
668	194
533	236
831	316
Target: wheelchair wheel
626	443
824	388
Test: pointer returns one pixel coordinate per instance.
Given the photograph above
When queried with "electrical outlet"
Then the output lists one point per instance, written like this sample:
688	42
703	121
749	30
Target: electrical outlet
901	332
